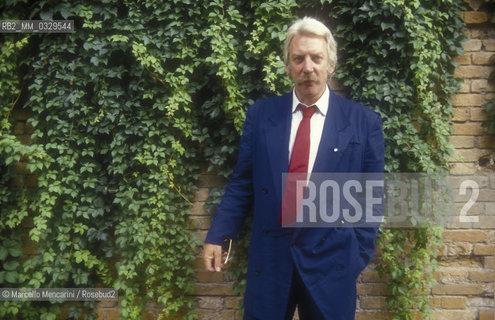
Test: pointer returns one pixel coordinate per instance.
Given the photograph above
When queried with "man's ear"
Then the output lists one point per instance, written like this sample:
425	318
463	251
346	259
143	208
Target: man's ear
287	69
331	69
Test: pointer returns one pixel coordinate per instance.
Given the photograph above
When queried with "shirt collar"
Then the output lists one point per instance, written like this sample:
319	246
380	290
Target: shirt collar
321	104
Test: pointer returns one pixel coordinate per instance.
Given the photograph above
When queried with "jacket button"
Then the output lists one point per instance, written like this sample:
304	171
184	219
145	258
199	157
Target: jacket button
257	272
340	267
265	231
264	190
293	244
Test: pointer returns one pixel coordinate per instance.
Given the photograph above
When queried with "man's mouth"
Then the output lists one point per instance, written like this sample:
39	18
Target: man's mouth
308	80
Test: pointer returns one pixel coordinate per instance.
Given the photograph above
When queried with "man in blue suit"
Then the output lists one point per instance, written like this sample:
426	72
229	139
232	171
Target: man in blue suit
314	269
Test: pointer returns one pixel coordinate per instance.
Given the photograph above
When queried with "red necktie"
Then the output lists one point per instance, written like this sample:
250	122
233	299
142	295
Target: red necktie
298	168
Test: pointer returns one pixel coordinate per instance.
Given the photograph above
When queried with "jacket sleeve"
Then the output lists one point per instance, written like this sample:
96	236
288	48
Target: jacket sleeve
238	197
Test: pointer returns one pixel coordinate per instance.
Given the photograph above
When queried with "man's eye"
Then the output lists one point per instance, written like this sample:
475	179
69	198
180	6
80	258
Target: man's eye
317	58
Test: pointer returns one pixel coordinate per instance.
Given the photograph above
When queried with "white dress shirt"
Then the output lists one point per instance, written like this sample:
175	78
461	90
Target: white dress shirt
316	125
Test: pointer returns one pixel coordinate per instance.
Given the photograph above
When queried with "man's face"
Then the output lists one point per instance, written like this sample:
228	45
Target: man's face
309	67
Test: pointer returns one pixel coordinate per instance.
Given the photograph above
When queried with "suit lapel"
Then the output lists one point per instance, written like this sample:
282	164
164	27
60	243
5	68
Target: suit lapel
277	132
336	136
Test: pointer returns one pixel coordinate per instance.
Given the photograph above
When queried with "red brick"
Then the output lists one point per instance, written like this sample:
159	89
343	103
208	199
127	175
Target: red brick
210	181
207	276
488	96
372	289
20	168
489	262
25	139
177	317
485	141
472	45
232	302
486	195
29	246
466	100
482	275
464	236
475	4
478	114
460	114
468	129
453	275
112	314
476	210
30	181
201	194
107	304
457	289
436	302
462	168
238	315
485	221
454	314
99	315
17	182
482	86
373	303
197	208
489	44
200	235
463	60
212	303
198	222
472	72
486	315
459	249
368	315
469	155
215	315
482	58
149	315
474	17
490	211
462	141
484	249
454	302
370	276
19	128
466	85
21	115
441	250
28	129
207	289
27	223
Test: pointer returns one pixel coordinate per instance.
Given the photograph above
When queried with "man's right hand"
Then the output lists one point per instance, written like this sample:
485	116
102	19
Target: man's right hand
212	257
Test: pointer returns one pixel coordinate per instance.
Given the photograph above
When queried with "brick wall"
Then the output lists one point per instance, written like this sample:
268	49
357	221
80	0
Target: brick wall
466	277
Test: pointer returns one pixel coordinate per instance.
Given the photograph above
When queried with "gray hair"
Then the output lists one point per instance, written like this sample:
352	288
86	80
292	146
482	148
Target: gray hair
311	26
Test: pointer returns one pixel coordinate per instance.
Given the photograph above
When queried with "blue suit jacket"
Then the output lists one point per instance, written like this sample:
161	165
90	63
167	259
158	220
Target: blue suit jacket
328	259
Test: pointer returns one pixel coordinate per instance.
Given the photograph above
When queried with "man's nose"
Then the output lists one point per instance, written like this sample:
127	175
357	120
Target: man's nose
308	65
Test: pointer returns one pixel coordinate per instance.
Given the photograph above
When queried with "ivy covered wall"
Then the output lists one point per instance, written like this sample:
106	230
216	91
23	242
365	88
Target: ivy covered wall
125	110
